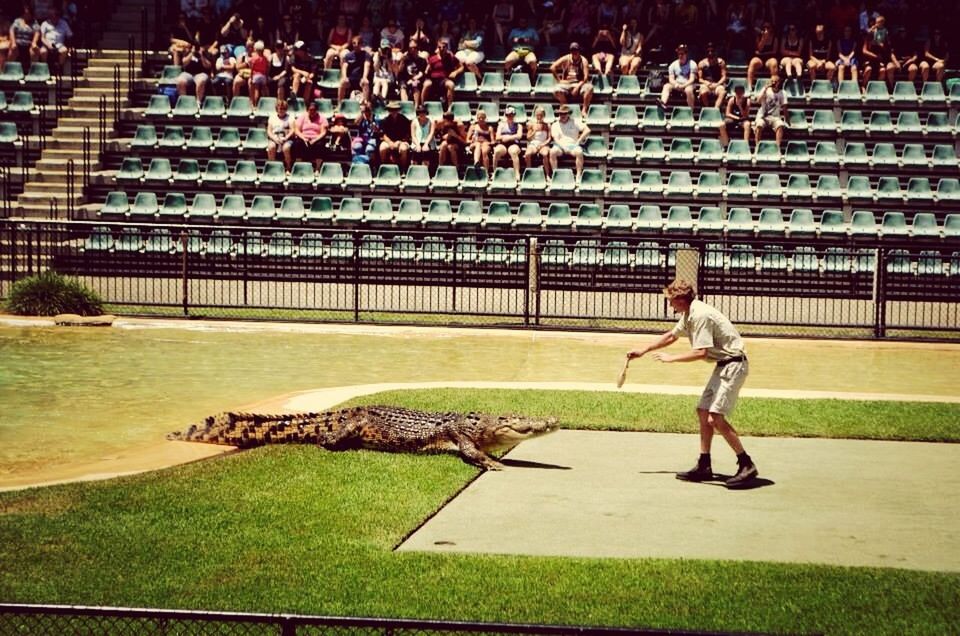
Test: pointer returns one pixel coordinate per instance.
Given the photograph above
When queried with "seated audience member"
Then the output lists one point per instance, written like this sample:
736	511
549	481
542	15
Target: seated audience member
182	39
681	77
906	57
339	133
54	34
423	142
421	37
279	71
208	31
820	54
412	73
194	77
453	139
660	23
355	66
310	132
225	69
713	78
568	135
791	53
232	32
522	41
877	55
368	37
738	27
384	73
554	16
287	32
443	68
765	54
580	19
480	140
573	77
936	54
395	137
631	48
538	141
280	135
736	115
772	110
604	49
302	72
25	34
502	17
847	55
470	49
509	134
368	132
338	41
259	65
6	43
393	34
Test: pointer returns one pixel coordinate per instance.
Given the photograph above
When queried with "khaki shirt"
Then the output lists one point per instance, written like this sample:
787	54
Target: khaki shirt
709	329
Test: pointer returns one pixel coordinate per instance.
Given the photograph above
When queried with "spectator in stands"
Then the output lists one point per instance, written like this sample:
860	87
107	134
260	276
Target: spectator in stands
538	141
54	34
310	132
287	32
554	17
604	49
713	78
369	38
765	54
393	34
772	111
443	68
631	48
470	48
259	66
194	77
736	115
480	140
6	42
820	55
936	55
573	77
509	134
681	77
878	61
791	53
232	32
182	39
847	55
659	22
579	20
339	133
412	73
905	54
279	71
423	141
355	66
368	132
568	135
384	72
338	40
302	72
502	16
422	37
208	31
225	69
738	27
280	135
395	137
453	139
258	31
25	34
522	40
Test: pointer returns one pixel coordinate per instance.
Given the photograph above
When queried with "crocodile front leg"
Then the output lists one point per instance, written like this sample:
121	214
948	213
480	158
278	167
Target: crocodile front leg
472	453
340	437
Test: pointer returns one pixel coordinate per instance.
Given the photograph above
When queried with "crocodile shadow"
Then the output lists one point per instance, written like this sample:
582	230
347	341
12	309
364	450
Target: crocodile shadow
522	463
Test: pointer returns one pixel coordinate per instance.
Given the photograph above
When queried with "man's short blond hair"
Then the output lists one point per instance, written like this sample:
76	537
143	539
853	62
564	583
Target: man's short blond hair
680	288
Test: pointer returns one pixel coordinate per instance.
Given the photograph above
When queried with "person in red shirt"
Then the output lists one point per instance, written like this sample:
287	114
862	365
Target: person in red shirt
443	67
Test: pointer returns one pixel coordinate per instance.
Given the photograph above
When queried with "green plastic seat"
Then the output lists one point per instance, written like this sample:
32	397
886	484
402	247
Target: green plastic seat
653	118
855	155
228	139
767	153
904	93
475	179
681	119
650	183
647	255
215	172
798	187
187	106
529	215
158	106
434	249
372	248
388	177
201	138
618	218
558	216
621	182
709	152
820	90
740	221
943	156
709	220
440	212
598	115
349	108
244	173
445	179
628	86
771	223
256	141
492	83
262	208
624	150
342	247
863	223
826	154
240	108
649	219
280	245
884	156
266	107
129	240
469	213
888	190
797	120
159	171
144	138
859	188
533	180
273	175
710	118
115	205
220	243
359	177
12	71
852	121
913	156
554	254
616	254
22	102
595	147
951	226
924	225
738	153
801	223
881	123
908	122
174	207
948	189
145	207
519	84
832	224
504	180
379	211
39	73
679	184
828	187
546	84
491	110
679	219
797	154
8	131
321	210
652	150
823	122
417	179
349	211
586	253
709	185
588	216
173	139
681	150
410	212
932	93
591	181
848	92
131	170
738	185
301	174
291	209
894	224
329	79
466	84
562	181
938	124
601	84
499	214
213	107
203	207
877	93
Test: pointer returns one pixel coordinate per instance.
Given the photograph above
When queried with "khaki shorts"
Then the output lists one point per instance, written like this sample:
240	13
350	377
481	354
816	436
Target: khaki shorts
722	390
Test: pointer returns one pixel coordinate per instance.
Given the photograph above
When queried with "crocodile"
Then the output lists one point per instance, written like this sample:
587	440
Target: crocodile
386	428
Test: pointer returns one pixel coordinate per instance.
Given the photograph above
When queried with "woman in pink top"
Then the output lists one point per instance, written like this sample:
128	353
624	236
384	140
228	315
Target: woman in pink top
309	132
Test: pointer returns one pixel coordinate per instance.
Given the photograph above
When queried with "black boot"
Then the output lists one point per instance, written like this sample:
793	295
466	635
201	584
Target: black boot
701	472
746	472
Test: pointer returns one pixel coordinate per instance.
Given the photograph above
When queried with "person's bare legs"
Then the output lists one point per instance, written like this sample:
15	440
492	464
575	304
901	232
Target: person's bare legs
719	423
706	431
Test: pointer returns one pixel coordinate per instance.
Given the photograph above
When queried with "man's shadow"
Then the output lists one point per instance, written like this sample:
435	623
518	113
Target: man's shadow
718	480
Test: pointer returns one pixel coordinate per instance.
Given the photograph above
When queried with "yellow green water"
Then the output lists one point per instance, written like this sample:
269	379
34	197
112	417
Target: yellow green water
72	395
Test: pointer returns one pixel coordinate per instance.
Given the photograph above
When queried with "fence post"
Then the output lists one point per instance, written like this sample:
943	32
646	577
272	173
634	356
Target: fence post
356	278
102	107
534	259
185	287
880	295
13	252
70	188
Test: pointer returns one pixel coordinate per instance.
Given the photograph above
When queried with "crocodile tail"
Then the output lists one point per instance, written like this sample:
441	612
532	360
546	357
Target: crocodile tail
241	429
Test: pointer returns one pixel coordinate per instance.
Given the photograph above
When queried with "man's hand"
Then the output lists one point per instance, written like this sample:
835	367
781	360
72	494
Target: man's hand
664	357
635	354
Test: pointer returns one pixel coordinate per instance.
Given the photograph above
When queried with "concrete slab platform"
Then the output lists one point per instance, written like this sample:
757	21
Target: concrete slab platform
611	494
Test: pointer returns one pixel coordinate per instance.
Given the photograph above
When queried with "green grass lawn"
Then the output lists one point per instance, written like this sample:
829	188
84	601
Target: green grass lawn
296	529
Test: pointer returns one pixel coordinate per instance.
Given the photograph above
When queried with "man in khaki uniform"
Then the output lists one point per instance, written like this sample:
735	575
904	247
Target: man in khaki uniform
713	338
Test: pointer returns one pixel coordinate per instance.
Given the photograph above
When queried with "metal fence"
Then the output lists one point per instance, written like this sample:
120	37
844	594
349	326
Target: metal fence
43	620
769	286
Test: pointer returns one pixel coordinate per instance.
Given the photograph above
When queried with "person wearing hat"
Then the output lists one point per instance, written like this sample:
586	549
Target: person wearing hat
393	34
395	137
412	73
423	141
384	72
568	134
713	78
572	73
355	64
470	48
509	134
443	68
736	115
820	54
303	70
681	76
523	39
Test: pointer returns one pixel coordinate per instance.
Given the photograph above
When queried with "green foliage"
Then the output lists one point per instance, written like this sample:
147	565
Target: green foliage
49	294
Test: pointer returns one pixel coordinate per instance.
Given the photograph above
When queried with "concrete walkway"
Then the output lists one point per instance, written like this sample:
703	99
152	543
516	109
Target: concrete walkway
603	494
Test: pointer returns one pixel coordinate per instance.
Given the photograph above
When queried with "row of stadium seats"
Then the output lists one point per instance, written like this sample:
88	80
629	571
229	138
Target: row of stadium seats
12	73
496	250
21	103
526	215
593	181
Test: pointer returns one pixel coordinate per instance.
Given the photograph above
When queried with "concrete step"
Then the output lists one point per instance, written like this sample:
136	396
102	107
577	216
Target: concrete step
36	211
76	132
47	189
97	91
56	169
41	199
106	72
94	101
75	121
76	145
105	82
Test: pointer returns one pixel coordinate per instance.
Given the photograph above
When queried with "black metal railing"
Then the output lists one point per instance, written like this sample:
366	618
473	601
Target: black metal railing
906	288
42	620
